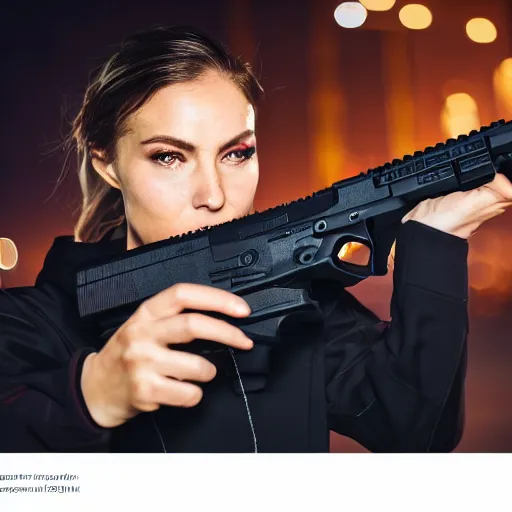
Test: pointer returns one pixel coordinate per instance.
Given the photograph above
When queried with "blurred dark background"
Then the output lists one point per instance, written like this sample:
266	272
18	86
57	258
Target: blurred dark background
338	101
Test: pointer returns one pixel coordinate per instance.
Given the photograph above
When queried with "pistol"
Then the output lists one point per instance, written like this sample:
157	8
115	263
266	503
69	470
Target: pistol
272	258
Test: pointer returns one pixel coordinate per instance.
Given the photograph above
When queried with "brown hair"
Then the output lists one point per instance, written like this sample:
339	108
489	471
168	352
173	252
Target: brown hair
145	62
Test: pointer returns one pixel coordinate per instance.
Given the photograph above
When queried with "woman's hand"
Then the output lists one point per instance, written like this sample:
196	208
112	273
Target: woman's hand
136	370
462	213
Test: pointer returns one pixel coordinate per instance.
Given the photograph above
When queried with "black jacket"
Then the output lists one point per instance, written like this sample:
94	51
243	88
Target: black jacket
393	387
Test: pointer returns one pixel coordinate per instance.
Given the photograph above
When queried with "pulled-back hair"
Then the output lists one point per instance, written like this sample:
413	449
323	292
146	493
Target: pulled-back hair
144	63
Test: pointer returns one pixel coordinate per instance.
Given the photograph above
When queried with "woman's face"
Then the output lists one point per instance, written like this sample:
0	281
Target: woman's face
187	160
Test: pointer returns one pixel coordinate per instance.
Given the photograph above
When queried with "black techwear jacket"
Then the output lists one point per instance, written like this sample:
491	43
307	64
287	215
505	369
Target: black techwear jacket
393	387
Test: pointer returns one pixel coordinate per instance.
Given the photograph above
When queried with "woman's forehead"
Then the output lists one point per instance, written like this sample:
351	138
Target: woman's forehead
212	102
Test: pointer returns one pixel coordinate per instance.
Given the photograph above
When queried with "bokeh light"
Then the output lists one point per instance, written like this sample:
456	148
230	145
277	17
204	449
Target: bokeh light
505	68
8	254
460	115
415	16
481	30
350	14
502	82
378	5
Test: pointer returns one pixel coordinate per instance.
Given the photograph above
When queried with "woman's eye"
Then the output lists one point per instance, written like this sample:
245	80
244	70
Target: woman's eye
166	158
240	155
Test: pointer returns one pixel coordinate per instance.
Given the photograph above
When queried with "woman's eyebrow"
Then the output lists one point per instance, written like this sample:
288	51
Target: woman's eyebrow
173	141
187	146
236	140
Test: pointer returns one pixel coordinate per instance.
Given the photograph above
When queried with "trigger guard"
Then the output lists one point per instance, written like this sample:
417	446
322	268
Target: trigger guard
356	233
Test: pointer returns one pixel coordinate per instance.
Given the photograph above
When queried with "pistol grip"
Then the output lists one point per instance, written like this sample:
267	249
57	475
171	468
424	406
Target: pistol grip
270	307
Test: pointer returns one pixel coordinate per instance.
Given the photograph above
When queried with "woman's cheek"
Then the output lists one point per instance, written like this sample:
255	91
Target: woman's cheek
150	198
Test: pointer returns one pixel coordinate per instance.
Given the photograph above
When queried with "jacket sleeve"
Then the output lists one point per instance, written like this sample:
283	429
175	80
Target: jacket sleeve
41	405
398	386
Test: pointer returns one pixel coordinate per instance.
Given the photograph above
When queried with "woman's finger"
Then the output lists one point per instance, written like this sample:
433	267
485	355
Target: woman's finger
169	363
151	390
187	327
177	298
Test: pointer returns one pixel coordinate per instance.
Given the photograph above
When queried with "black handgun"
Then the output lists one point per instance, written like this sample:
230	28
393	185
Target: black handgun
271	258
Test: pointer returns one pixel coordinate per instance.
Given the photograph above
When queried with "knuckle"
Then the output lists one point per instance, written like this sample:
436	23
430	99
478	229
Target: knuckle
130	333
134	354
143	390
191	323
179	292
143	310
129	358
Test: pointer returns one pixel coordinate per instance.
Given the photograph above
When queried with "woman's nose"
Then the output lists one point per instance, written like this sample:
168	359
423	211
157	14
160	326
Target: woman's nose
209	193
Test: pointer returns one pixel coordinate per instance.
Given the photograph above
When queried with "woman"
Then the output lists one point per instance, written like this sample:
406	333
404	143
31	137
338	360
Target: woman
166	135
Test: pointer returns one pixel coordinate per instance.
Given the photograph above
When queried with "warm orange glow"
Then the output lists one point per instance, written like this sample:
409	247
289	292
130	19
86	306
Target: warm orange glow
241	34
399	89
378	5
481	30
490	270
502	81
8	254
460	104
391	257
460	115
326	105
505	68
415	16
355	253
